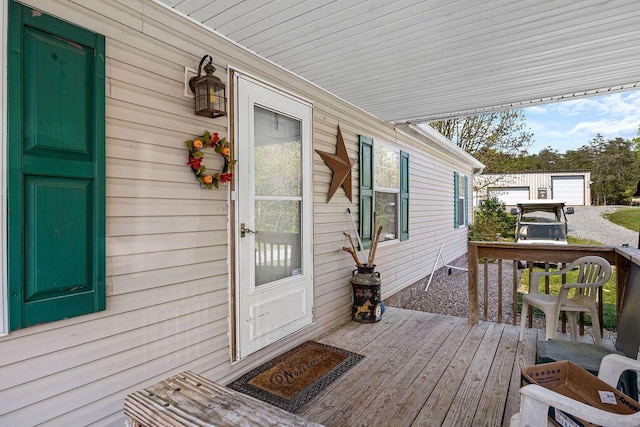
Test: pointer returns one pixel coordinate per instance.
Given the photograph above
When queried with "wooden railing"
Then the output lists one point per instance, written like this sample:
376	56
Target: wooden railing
482	254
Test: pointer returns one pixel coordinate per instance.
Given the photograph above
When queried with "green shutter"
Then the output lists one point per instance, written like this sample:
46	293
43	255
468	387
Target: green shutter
56	163
366	191
466	200
404	195
455	200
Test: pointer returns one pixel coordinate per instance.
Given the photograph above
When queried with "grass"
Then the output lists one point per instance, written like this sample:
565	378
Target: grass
580	241
608	292
629	218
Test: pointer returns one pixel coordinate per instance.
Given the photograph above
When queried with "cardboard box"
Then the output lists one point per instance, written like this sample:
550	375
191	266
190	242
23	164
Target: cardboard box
571	380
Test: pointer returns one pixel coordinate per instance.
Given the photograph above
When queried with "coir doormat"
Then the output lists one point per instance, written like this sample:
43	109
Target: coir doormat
293	378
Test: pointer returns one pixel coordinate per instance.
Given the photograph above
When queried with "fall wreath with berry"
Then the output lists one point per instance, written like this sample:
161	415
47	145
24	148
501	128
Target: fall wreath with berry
205	177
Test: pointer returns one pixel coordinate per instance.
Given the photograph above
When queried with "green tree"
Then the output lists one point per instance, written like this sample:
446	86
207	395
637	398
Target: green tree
580	159
492	222
498	139
614	171
546	159
275	178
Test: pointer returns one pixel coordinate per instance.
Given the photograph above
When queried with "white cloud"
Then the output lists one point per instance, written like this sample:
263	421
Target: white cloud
617	105
612	116
609	128
571	124
548	129
538	109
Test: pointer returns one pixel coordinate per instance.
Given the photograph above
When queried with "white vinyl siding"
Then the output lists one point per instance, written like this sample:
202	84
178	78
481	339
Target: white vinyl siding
168	282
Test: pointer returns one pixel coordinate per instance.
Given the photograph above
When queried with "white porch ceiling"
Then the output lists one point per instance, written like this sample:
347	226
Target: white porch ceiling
422	60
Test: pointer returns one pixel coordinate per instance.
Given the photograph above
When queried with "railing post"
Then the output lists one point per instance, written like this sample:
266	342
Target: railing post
472	255
514	290
622	274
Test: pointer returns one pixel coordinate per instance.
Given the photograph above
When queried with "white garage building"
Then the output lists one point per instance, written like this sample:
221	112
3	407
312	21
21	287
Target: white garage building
572	187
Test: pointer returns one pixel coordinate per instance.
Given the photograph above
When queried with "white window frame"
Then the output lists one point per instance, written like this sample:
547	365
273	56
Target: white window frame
377	145
462	202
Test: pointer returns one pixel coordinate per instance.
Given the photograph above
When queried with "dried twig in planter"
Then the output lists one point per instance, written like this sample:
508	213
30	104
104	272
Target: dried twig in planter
353	254
373	239
374	247
353	246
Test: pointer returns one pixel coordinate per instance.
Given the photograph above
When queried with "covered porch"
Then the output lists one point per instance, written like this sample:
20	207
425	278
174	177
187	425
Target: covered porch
428	369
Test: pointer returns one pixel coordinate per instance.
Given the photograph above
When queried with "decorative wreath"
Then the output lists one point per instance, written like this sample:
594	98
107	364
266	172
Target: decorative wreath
203	175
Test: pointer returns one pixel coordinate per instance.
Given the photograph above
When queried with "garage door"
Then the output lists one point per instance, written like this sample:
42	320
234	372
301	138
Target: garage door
510	196
569	189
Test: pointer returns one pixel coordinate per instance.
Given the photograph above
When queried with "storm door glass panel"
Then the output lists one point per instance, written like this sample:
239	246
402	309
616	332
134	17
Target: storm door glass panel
278	195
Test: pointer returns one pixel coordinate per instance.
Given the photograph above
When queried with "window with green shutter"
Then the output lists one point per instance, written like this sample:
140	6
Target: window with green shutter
366	190
404	195
384	189
460	200
56	169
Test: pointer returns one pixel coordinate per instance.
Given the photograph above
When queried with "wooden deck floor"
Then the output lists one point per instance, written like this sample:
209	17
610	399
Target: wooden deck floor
425	369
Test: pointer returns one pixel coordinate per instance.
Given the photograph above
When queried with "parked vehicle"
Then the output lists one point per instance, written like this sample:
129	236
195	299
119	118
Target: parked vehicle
541	222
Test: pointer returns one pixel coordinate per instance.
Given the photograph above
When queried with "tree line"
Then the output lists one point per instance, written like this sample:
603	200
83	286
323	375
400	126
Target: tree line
501	141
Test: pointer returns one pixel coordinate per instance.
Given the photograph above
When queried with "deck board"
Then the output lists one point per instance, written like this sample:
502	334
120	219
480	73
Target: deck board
440	400
525	356
422	369
353	389
386	398
425	369
409	404
475	381
375	382
491	408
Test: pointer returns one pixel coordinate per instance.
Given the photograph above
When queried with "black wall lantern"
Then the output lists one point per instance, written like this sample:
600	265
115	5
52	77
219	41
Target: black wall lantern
209	91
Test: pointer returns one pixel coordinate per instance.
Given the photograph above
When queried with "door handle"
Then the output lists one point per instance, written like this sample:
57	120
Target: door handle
244	230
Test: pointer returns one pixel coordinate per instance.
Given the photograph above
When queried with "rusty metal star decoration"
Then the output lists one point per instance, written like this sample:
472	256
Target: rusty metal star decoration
341	165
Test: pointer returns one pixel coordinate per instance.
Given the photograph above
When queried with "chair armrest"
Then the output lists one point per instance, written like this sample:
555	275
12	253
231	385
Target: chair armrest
535	276
535	401
613	365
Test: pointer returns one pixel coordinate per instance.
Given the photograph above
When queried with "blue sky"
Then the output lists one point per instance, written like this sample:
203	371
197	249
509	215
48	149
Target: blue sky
571	124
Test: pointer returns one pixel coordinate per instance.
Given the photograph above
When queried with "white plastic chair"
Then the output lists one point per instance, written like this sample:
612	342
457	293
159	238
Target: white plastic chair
535	400
594	271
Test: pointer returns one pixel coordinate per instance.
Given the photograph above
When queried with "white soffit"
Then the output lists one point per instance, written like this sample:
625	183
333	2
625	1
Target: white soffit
422	60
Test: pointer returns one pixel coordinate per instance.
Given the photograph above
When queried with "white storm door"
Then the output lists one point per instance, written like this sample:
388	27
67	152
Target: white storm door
275	265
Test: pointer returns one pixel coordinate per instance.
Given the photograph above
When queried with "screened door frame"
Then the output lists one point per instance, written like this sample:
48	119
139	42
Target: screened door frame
232	72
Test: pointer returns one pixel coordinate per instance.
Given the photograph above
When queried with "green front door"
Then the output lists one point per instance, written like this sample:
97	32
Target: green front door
55	169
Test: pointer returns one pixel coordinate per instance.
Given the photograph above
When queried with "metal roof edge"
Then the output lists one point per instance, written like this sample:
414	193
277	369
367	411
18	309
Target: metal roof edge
433	136
521	104
576	171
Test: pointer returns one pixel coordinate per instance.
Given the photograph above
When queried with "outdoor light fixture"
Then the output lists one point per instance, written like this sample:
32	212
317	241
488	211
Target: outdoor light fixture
209	91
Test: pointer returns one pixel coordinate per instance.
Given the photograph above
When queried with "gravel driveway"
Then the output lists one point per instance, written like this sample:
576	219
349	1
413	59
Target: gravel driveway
588	223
